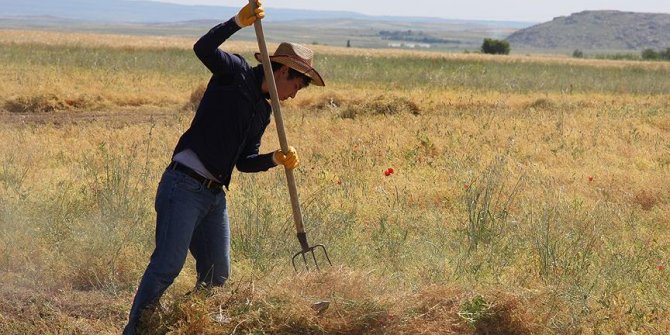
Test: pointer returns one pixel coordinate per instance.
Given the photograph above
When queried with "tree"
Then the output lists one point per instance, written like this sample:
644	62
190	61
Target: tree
650	54
578	54
495	47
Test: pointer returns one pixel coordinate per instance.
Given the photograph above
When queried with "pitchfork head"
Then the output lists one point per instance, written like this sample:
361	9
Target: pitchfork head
306	249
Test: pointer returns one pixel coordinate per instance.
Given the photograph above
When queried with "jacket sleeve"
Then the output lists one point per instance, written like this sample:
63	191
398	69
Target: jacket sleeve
216	60
250	160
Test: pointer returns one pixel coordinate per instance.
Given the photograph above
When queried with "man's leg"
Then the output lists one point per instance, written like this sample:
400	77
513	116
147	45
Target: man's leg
180	204
210	245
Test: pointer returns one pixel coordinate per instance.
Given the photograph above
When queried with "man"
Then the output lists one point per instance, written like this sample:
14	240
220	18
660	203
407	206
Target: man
225	133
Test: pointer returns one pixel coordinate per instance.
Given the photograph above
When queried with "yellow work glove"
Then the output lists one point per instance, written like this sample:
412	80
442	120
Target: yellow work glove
247	17
289	160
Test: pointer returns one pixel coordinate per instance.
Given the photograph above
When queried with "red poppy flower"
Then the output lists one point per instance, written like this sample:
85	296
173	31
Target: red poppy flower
661	267
590	179
388	172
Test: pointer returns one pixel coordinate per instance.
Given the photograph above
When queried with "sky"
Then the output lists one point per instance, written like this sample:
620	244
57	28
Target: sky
502	10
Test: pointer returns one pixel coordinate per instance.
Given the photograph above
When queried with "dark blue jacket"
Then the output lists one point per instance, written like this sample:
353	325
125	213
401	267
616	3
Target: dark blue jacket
227	128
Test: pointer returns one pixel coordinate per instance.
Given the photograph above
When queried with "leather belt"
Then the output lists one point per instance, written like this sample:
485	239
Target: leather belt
208	183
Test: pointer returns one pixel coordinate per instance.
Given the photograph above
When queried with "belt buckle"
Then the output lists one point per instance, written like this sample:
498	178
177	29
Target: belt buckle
209	183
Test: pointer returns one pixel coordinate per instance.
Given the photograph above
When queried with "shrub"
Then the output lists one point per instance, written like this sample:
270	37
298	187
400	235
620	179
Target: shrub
650	54
578	54
495	47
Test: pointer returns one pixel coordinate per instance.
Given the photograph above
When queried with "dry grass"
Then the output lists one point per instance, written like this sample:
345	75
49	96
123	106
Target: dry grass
99	40
509	212
356	306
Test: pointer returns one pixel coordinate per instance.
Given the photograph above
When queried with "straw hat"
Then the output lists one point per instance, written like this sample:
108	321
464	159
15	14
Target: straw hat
297	57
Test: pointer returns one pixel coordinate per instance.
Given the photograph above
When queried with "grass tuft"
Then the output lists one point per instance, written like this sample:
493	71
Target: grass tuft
49	103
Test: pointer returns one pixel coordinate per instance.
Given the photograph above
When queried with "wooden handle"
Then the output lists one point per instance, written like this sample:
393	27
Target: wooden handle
283	142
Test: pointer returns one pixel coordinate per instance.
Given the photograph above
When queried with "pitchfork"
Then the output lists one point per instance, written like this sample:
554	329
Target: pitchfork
293	190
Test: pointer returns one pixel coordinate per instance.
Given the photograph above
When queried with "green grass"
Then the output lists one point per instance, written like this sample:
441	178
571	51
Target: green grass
479	75
172	61
179	69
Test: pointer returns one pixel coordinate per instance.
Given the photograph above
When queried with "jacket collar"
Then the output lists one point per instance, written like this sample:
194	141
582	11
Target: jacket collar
259	75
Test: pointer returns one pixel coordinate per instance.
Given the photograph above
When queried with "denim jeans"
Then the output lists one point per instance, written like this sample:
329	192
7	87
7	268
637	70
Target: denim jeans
189	217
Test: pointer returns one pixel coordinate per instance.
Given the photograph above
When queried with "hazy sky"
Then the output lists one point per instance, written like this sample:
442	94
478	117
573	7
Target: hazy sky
514	10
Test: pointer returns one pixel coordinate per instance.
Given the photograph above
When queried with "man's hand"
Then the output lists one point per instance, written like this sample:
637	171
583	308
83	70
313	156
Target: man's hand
247	17
289	160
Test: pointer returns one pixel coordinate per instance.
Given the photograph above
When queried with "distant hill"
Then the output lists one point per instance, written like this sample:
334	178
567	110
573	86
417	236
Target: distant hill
605	30
131	11
142	11
142	17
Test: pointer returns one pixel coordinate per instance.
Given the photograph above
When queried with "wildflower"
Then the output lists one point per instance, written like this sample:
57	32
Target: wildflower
388	172
661	267
590	179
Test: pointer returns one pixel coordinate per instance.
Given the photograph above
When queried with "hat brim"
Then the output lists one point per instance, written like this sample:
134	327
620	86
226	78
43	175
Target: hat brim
296	65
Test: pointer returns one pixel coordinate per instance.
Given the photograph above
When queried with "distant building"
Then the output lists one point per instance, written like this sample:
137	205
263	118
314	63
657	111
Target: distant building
408	45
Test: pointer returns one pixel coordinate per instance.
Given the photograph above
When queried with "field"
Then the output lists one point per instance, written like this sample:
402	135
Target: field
362	33
530	194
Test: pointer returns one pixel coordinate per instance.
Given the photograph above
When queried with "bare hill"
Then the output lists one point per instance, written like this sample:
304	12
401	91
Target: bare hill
141	17
158	11
610	30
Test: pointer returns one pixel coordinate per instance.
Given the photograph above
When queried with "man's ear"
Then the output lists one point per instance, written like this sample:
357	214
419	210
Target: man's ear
282	71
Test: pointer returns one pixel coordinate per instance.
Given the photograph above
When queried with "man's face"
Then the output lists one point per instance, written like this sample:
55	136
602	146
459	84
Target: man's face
287	88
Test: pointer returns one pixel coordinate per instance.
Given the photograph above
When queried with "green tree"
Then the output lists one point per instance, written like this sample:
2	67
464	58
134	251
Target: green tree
495	47
650	54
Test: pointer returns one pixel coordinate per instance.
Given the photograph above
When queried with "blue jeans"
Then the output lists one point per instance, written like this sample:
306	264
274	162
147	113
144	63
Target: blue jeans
189	217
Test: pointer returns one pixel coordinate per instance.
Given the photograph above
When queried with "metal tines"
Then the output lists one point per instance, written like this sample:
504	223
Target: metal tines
306	249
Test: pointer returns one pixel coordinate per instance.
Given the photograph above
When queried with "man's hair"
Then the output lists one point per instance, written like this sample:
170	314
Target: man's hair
292	73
